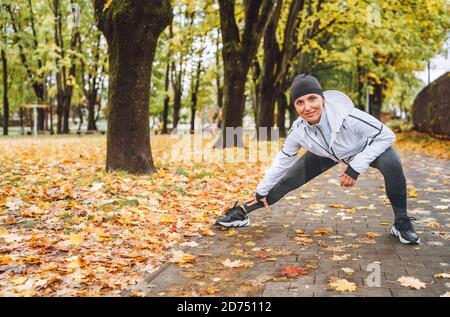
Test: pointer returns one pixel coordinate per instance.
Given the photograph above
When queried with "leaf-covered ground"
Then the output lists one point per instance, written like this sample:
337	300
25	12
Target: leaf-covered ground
67	228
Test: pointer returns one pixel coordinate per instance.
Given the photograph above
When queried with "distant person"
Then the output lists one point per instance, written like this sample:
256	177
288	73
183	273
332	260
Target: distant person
332	130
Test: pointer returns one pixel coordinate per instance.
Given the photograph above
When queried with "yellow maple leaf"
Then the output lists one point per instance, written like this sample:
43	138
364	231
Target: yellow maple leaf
372	234
412	192
342	285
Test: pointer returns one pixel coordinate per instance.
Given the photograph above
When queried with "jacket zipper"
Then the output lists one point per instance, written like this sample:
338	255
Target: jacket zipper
321	144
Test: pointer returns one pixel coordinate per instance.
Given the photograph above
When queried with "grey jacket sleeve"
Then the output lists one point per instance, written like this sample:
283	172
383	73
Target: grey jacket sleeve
379	138
284	159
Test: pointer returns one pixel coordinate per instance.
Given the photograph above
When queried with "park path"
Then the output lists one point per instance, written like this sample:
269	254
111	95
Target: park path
331	232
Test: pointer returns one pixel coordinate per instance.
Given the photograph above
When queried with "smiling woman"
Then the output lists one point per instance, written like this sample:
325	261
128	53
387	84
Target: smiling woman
333	131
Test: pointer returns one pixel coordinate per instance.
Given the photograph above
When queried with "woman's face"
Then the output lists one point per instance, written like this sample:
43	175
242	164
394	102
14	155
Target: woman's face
310	107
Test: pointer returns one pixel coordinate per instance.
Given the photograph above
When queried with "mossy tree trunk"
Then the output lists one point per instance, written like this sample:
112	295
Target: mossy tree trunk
131	28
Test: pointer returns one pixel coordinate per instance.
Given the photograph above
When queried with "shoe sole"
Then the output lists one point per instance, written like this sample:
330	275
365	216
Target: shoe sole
397	234
234	224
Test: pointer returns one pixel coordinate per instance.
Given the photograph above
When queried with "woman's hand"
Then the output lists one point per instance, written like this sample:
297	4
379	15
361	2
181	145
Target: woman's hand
346	180
253	201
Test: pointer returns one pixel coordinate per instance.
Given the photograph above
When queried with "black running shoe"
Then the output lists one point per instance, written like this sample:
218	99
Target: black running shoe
404	231
233	218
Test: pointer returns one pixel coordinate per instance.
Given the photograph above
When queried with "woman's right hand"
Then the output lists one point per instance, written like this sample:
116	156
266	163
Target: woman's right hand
253	201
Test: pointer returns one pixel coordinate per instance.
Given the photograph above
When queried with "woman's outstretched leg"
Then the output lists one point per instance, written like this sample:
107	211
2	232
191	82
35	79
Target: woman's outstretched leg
304	169
391	168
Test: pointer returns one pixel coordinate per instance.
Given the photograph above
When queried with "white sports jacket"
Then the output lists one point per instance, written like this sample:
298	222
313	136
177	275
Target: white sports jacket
357	138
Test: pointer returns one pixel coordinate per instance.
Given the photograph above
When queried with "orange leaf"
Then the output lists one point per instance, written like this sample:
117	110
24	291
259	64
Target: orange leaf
292	271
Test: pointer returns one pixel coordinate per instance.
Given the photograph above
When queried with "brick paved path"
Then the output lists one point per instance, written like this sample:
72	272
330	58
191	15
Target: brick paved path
272	242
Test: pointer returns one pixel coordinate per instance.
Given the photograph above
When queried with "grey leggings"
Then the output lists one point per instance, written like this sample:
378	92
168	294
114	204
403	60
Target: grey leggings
311	165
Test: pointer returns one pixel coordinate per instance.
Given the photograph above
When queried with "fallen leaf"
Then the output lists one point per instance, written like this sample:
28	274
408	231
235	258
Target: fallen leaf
209	290
292	271
231	233
236	264
433	224
181	258
208	232
342	285
442	275
372	234
323	231
336	257
348	270
411	282
303	240
337	206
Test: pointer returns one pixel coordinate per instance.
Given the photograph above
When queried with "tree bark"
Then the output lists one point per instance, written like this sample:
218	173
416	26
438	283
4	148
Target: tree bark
195	87
5	93
376	100
238	53
282	105
218	79
92	79
276	63
165	116
132	30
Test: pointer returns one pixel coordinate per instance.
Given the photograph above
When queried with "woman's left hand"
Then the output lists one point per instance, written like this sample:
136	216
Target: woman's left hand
346	180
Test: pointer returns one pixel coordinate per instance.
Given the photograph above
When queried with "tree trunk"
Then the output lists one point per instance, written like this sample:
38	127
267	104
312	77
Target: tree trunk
165	116
132	30
5	93
238	52
293	115
376	100
282	106
195	88
234	93
92	99
177	89
256	93
219	85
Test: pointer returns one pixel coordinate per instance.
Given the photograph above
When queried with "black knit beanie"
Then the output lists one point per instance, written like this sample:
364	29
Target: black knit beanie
304	85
